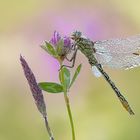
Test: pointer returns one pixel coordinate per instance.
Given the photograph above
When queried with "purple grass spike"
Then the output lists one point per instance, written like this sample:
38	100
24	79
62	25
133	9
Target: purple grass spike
36	91
37	94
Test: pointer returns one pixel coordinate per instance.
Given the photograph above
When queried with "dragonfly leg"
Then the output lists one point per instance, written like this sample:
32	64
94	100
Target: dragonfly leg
74	49
74	46
72	59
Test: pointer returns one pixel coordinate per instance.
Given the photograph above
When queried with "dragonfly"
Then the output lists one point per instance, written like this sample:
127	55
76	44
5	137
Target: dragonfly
115	53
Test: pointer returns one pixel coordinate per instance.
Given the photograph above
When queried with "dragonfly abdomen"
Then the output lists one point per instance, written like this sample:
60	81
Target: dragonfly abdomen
118	93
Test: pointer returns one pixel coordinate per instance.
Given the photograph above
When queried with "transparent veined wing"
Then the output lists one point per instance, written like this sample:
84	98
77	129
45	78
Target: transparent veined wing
119	53
96	72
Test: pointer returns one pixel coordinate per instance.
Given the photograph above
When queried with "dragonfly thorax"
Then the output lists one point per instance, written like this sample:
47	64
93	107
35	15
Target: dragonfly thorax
85	45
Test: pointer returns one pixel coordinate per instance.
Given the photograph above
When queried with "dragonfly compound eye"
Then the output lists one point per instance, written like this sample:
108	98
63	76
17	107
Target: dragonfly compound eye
76	35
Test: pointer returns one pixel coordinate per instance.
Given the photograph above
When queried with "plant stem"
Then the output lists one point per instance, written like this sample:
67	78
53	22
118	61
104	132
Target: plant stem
67	104
70	115
48	129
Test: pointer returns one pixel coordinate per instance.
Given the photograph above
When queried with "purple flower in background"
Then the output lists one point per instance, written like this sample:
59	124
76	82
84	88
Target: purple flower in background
36	91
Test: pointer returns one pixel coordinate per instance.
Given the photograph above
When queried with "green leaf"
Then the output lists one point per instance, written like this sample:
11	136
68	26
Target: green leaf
64	76
51	87
77	71
50	49
60	46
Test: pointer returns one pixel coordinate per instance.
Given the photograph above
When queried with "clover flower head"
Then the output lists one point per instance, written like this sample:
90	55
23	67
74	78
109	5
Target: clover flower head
58	46
55	39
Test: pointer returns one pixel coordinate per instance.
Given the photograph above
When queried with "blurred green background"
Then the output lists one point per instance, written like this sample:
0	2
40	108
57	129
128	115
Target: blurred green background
98	115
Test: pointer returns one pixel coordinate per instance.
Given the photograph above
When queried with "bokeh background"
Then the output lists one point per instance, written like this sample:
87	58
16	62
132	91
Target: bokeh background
98	115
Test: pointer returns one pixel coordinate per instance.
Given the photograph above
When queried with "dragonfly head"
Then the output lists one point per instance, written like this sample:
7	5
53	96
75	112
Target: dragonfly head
76	35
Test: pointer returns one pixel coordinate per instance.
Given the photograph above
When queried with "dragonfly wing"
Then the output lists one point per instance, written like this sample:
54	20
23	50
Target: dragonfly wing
119	53
96	72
